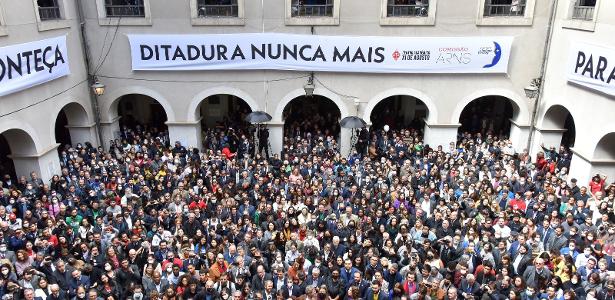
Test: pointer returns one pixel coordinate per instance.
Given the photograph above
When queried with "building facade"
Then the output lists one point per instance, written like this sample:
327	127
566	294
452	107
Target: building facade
442	103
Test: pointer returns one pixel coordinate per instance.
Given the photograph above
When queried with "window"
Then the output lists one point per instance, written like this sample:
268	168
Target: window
407	8
505	12
507	8
124	12
217	8
408	12
51	14
312	12
582	15
125	8
312	8
584	10
49	10
217	12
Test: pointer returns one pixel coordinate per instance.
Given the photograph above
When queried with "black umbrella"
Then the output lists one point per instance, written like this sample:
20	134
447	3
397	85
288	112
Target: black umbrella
352	122
256	117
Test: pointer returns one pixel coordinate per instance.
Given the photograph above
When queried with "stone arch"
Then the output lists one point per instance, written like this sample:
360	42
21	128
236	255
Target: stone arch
554	117
605	149
75	112
521	113
22	138
110	108
193	108
432	116
279	111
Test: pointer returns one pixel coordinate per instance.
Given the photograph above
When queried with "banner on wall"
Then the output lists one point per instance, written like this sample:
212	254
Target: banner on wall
275	51
26	65
593	67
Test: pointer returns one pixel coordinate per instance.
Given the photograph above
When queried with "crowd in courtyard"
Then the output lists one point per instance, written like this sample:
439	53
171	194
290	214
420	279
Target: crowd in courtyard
151	219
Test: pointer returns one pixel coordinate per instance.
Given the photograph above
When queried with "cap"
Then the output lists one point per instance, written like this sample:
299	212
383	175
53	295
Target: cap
573	180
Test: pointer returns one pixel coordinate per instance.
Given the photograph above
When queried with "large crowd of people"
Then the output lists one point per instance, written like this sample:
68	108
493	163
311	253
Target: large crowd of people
151	219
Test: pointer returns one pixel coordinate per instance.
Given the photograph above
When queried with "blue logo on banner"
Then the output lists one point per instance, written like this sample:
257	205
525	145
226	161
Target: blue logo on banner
498	55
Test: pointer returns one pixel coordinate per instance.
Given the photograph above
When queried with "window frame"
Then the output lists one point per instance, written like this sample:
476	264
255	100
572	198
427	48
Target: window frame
103	20
217	21
429	20
51	24
527	19
334	20
580	24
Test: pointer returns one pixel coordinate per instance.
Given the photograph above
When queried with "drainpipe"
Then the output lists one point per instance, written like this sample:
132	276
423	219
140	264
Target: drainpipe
545	59
88	68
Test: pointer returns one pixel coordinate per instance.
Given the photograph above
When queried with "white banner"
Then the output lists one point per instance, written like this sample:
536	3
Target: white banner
592	66
25	65
275	51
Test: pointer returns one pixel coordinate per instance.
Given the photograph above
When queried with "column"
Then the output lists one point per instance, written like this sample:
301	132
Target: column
580	168
548	137
187	133
276	137
440	134
45	163
83	133
110	131
519	134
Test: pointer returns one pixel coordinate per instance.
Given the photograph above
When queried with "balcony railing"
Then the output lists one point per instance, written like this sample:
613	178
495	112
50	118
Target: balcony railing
206	11
504	10
49	13
583	12
125	10
417	10
312	10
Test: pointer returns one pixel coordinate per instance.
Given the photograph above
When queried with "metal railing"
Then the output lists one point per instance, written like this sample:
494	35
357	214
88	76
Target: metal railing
583	12
506	10
134	10
312	10
49	13
400	10
218	10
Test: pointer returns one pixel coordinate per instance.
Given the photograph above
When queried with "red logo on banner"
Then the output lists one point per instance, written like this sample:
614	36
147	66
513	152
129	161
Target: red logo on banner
396	55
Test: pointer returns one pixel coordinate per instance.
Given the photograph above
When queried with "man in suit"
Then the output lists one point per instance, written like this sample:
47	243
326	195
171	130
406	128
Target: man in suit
268	293
157	284
292	289
56	293
77	280
374	293
557	241
315	280
468	287
361	284
6	254
258	281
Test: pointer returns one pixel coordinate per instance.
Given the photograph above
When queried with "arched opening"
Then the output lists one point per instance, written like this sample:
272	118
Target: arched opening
141	113
219	114
605	150
6	164
71	126
62	132
400	112
15	142
558	117
489	115
314	116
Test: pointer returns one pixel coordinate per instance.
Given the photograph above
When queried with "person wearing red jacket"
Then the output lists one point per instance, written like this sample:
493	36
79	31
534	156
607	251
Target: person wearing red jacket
227	152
